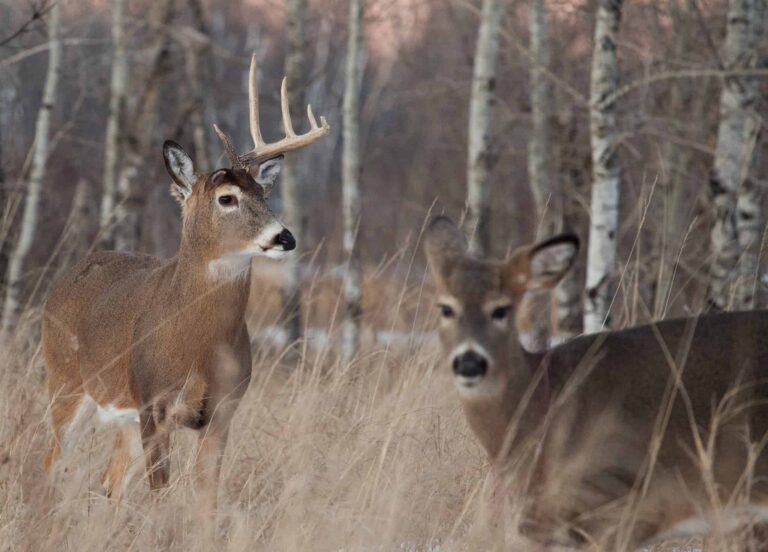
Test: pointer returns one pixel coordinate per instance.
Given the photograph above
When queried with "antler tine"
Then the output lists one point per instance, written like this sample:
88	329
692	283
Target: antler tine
311	117
234	158
253	104
262	150
286	110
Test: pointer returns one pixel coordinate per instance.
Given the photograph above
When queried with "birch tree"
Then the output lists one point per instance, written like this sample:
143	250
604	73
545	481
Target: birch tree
29	217
540	161
481	112
351	180
540	149
737	102
573	178
750	218
117	86
292	212
140	123
606	172
197	53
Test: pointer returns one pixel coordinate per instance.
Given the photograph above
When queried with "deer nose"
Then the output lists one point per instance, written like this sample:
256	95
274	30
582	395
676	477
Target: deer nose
286	239
470	364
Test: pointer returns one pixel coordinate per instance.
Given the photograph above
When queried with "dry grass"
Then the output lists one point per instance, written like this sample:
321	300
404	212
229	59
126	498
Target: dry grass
375	455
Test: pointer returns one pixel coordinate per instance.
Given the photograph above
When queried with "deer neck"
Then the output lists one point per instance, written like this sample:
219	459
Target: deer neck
221	302
499	421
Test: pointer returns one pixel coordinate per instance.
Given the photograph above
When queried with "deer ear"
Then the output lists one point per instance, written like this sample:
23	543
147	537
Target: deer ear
444	244
269	170
543	265
179	166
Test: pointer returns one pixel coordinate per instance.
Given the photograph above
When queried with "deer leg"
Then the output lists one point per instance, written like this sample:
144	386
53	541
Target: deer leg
156	443
70	413
122	464
212	443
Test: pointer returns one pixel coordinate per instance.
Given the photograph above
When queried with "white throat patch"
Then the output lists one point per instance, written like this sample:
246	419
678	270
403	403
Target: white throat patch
230	267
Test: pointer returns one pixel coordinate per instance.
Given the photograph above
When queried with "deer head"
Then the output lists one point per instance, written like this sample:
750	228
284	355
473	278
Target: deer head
479	300
225	213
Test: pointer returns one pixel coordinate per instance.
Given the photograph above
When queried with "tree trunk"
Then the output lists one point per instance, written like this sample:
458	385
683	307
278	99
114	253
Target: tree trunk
574	174
292	212
750	218
115	122
76	229
351	180
738	101
8	95
540	148
481	111
674	215
138	138
540	162
750	221
29	218
198	66
606	172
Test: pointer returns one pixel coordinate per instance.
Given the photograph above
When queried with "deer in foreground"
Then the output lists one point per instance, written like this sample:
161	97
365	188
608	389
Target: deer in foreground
624	437
162	343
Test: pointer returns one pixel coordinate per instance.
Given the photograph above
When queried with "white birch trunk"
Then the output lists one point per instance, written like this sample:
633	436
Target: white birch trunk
115	121
198	66
351	180
606	172
29	218
481	111
540	161
738	100
292	212
540	148
129	198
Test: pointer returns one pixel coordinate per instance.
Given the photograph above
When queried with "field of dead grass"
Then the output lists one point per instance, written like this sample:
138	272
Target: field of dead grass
369	456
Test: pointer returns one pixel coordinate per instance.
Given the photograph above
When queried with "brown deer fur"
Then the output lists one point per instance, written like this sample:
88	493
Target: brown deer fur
623	436
163	340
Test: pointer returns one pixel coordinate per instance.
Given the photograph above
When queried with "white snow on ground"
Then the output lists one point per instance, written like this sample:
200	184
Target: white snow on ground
318	338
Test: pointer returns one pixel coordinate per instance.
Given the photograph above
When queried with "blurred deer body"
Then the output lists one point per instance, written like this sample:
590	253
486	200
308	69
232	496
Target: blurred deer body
619	437
163	342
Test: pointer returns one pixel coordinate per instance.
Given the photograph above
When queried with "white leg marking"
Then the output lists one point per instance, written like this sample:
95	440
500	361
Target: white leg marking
69	437
110	413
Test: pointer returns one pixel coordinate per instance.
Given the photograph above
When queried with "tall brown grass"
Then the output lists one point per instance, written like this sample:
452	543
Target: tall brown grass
371	455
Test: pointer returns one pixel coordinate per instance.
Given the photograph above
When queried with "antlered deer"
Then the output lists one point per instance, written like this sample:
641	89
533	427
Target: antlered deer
621	437
161	343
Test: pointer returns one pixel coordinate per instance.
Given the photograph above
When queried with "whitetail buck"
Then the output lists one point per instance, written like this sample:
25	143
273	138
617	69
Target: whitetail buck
161	343
623	437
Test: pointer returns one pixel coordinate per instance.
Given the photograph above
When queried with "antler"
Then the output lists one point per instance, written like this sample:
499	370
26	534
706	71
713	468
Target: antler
262	150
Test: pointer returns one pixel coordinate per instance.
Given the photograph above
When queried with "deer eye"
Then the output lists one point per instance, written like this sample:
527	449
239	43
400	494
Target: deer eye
227	200
446	311
500	313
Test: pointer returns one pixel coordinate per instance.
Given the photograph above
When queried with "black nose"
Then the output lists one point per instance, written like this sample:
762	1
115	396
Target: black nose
286	239
470	365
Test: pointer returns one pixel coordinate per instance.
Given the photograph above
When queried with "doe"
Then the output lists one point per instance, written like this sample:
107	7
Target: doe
622	437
